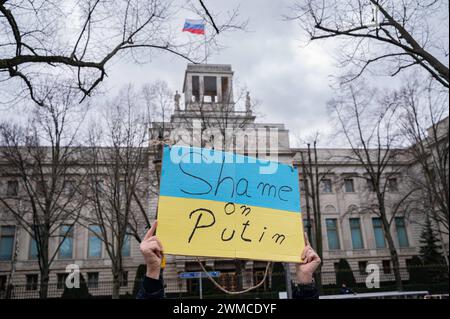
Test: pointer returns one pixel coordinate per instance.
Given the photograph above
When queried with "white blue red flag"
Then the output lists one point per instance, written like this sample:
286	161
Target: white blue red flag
194	26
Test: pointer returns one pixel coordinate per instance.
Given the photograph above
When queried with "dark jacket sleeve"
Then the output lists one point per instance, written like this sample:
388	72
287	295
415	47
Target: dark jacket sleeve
305	292
151	289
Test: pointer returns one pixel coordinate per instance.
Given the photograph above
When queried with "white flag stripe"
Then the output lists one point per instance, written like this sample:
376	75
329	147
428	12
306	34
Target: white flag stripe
195	21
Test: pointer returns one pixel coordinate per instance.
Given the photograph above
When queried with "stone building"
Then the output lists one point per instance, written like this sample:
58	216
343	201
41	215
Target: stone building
213	116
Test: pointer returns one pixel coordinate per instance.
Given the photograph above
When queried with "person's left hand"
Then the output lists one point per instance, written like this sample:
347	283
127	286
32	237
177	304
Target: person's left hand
311	261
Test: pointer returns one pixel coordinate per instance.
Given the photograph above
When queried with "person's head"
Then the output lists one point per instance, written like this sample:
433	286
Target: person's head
344	285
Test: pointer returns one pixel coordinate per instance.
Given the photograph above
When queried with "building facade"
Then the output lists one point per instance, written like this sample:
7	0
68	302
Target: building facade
213	116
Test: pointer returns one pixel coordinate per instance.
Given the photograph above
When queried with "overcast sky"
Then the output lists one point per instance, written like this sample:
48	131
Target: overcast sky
270	58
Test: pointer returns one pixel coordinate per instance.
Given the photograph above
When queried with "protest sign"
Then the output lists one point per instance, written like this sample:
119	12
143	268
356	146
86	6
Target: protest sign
220	204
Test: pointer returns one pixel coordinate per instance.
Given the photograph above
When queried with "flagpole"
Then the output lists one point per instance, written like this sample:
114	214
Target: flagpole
206	49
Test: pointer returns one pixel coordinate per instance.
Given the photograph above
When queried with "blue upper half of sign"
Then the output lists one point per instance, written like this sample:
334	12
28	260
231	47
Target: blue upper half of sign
199	173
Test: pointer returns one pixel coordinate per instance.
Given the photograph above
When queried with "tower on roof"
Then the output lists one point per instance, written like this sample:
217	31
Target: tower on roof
208	84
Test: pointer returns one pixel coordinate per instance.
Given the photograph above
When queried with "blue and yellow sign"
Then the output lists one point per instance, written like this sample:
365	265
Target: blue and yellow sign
220	204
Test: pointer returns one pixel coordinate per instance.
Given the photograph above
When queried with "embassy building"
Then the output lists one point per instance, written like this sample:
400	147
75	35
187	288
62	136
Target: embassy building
208	114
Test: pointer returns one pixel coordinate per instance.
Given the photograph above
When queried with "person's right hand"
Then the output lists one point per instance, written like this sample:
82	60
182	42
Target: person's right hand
152	251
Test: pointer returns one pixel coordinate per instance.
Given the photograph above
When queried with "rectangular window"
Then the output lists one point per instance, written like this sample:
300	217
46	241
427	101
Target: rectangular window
362	265
92	280
392	185
326	186
387	266
196	88
66	248
61	280
33	253
126	246
378	232
122	188
124	279
12	188
401	232
349	185
97	185
332	234
225	91
69	187
370	187
94	242
7	242
355	229
3	280
303	183
32	282
41	187
210	83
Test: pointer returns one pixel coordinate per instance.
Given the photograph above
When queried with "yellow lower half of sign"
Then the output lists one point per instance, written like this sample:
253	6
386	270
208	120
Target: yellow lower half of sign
208	228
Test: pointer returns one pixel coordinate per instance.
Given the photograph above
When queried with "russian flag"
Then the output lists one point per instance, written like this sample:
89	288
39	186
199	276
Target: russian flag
194	26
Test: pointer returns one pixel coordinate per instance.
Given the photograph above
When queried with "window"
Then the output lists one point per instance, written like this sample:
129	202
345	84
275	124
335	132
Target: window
258	276
228	280
225	93
332	234
66	248
326	186
3	279
196	88
392	185
378	232
126	246
124	279
349	185
33	252
362	265
210	83
401	232
355	229
69	187
61	280
32	282
94	242
97	185
122	188
387	266
41	187
7	242
12	188
92	280
303	184
370	187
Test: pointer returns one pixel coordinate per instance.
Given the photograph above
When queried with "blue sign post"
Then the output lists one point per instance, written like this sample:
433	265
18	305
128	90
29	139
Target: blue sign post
200	275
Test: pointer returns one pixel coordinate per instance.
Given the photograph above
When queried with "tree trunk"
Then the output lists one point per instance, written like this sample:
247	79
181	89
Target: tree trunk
395	263
44	266
43	288
116	284
392	250
318	219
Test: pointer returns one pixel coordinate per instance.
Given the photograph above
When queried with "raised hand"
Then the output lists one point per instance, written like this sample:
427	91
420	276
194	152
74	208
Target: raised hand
311	261
152	250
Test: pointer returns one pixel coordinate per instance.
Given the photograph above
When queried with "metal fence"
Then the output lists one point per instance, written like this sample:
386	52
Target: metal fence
433	280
